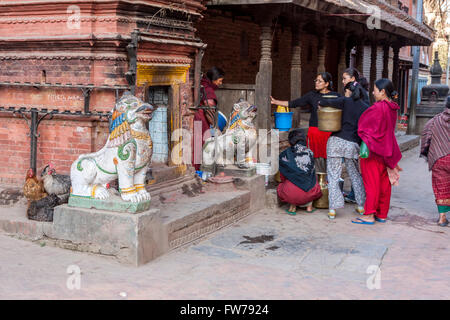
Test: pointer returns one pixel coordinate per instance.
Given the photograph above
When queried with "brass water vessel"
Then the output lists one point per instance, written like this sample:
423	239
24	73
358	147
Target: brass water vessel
322	202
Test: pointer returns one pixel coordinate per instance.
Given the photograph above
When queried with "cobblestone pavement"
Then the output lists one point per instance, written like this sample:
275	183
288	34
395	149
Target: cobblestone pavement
268	255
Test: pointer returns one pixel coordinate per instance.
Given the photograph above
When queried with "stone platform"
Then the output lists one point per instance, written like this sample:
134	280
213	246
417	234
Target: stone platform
137	238
232	170
114	203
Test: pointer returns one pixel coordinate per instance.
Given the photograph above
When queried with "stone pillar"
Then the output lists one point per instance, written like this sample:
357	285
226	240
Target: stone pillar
321	54
296	73
396	67
342	64
385	61
263	82
373	67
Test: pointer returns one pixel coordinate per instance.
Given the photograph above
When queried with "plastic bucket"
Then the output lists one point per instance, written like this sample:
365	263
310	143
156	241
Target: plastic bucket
283	120
221	121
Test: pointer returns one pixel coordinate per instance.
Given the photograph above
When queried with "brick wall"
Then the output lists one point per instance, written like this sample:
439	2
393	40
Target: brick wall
237	51
60	143
224	48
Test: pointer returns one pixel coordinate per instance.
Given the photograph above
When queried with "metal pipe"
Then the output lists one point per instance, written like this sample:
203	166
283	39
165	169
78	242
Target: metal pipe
448	60
33	139
415	75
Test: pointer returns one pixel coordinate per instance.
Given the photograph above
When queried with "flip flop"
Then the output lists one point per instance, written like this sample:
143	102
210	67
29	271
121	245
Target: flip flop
444	224
291	213
360	221
380	220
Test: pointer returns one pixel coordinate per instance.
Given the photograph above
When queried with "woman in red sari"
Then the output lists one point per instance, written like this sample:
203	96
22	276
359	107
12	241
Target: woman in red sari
210	83
376	128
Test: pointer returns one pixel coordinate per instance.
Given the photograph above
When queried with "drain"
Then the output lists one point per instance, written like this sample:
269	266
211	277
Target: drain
258	239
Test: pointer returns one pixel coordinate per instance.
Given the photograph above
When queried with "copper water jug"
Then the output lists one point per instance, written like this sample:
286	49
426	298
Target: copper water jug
322	202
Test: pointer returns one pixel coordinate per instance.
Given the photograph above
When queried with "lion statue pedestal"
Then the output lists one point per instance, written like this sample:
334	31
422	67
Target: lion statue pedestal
126	156
236	146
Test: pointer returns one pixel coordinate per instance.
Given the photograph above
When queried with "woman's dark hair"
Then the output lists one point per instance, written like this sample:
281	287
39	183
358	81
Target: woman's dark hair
297	136
326	76
356	90
353	72
387	86
215	73
447	104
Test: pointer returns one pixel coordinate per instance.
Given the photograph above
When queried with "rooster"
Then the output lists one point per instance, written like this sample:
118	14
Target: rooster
33	188
56	184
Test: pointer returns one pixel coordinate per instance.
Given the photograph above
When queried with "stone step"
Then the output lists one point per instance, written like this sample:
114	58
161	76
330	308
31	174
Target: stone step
139	238
190	219
407	142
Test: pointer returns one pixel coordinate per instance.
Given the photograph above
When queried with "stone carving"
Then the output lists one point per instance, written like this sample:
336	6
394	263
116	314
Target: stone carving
238	140
126	155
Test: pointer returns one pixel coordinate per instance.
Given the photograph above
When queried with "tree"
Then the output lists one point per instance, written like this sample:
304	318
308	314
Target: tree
436	16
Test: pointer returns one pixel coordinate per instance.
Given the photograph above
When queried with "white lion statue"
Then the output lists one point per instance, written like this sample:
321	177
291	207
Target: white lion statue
238	140
126	155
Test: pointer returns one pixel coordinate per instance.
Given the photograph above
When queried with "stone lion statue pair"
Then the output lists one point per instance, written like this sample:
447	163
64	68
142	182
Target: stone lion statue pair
236	144
127	153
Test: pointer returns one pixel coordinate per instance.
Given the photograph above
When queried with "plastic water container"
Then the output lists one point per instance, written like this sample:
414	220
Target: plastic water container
283	120
265	170
221	121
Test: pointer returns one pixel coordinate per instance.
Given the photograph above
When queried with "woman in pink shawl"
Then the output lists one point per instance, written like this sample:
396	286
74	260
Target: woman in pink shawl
380	169
210	83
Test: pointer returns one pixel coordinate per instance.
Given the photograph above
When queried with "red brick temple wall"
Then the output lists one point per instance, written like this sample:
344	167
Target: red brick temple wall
37	45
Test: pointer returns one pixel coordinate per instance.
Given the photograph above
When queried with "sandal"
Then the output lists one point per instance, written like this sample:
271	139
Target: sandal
331	215
380	220
292	213
314	209
443	224
361	221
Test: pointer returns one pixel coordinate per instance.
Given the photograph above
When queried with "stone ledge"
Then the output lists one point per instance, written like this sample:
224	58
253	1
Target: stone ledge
407	142
138	238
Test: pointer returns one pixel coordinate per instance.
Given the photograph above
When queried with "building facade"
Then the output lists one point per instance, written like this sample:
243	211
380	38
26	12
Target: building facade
63	65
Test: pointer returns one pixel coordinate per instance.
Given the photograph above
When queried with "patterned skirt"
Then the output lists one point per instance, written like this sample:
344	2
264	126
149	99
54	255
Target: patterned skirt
317	142
440	179
340	148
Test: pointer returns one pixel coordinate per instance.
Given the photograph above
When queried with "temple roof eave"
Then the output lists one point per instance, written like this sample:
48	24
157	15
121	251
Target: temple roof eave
394	21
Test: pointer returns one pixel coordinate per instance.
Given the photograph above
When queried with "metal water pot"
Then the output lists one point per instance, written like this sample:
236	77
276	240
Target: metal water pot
330	119
322	202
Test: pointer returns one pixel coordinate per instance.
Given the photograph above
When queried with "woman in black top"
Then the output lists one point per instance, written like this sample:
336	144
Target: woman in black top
317	140
353	75
345	144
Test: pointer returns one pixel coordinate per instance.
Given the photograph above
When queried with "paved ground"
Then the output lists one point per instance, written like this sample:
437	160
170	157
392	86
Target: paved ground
269	255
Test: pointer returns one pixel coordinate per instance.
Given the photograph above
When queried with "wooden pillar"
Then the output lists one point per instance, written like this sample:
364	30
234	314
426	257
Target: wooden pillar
373	67
197	74
321	54
342	64
263	87
386	61
396	67
360	58
296	73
